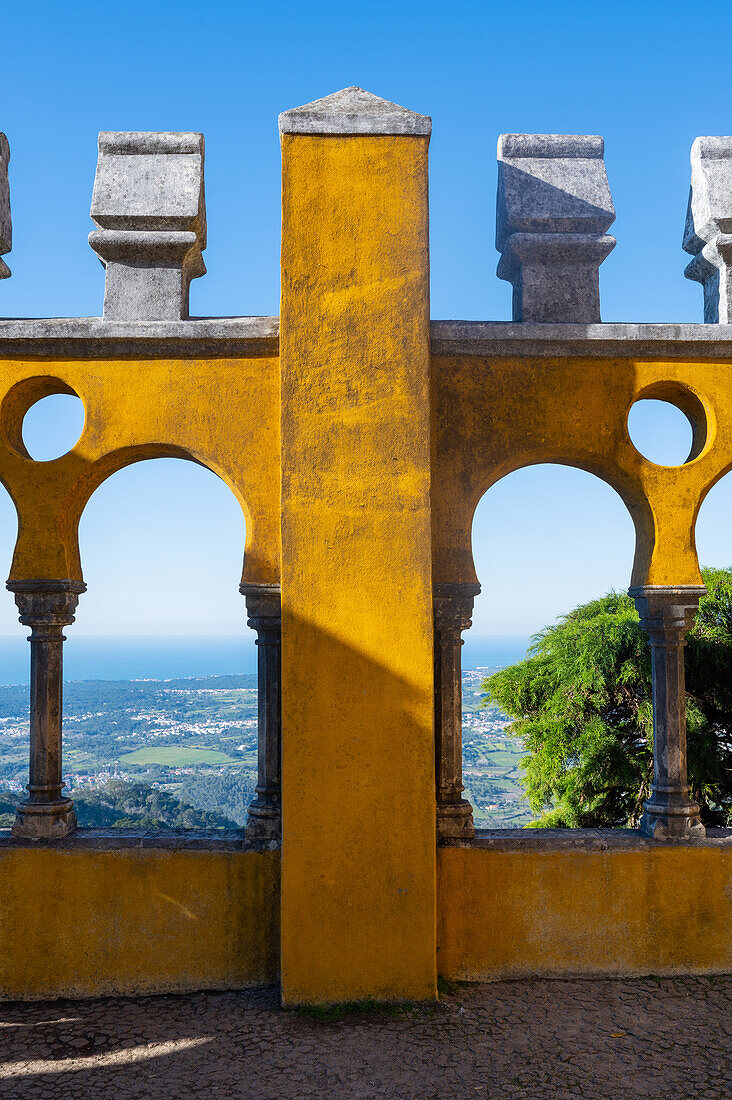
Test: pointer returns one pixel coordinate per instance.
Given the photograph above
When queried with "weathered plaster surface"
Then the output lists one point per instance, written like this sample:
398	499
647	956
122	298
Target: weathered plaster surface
223	413
136	915
583	905
357	661
575	411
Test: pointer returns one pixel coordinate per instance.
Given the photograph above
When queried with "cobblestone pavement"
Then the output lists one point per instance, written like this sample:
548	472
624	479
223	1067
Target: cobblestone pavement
650	1038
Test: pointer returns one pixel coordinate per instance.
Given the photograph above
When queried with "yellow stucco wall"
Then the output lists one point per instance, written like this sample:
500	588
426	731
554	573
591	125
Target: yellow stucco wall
136	921
646	910
492	416
358	792
83	923
222	413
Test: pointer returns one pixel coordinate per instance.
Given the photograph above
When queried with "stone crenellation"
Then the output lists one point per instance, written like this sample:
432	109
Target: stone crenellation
708	230
148	203
553	210
6	229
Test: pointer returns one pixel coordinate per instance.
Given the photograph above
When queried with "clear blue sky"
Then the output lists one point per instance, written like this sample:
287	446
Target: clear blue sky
641	74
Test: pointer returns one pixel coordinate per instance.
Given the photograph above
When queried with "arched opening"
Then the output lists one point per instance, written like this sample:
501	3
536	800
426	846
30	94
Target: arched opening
668	425
13	677
52	426
546	539
160	706
714	525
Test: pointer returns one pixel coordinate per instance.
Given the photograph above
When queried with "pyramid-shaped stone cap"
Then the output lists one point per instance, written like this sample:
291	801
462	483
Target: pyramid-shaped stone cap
710	199
354	111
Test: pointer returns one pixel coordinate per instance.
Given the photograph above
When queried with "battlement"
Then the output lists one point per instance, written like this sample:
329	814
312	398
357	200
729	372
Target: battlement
553	211
359	437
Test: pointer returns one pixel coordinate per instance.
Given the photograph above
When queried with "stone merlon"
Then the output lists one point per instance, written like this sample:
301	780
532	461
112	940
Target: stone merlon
148	203
6	230
708	230
553	211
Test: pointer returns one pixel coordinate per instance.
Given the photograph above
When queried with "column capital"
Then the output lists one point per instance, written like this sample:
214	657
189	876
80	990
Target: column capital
49	603
263	603
666	610
453	606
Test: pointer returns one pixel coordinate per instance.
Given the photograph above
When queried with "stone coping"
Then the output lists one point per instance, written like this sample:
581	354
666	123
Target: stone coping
92	338
230	840
504	840
583	840
246	337
528	339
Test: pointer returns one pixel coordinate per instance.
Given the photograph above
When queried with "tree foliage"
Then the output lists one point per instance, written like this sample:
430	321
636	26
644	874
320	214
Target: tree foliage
581	702
122	805
136	805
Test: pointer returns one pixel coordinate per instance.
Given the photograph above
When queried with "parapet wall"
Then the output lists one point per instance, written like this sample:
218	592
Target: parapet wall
139	914
121	913
583	903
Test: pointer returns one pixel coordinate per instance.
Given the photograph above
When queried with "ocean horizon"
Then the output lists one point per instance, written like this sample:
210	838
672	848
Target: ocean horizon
168	657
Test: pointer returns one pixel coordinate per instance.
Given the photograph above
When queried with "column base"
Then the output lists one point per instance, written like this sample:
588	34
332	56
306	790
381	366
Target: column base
263	822
663	822
455	820
44	821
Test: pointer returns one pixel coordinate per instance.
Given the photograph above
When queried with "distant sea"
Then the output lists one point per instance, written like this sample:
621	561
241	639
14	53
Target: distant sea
493	650
165	658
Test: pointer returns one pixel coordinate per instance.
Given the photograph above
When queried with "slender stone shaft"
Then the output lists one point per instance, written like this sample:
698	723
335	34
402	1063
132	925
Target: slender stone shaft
453	607
666	615
46	607
264	817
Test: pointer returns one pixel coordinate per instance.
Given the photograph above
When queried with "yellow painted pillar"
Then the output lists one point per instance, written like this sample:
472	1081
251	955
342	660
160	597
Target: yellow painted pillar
358	845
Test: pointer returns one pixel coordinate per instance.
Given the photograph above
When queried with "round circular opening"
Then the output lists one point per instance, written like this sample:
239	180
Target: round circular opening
53	426
660	431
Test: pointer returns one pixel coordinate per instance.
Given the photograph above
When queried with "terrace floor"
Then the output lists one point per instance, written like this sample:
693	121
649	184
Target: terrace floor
650	1038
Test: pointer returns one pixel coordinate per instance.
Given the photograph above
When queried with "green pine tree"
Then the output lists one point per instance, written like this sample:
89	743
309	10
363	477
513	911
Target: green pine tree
581	703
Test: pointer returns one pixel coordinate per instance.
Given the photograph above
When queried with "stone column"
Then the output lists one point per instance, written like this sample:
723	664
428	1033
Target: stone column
264	817
453	608
666	615
46	607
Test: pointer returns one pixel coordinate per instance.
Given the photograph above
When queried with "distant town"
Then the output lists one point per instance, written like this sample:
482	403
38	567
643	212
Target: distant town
491	760
183	753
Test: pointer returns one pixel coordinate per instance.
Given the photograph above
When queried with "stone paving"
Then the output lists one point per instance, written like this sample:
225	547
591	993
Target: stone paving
650	1038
